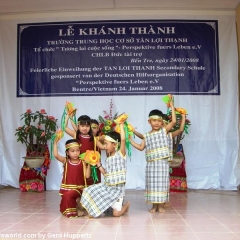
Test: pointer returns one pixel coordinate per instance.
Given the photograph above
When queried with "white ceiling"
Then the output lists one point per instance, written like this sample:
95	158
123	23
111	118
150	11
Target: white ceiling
31	6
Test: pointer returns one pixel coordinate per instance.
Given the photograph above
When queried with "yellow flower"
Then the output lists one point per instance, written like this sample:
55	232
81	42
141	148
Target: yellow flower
92	157
109	122
121	119
130	128
107	128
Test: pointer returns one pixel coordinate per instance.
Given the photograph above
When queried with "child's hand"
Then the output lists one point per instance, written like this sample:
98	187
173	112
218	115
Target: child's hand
98	163
121	118
171	102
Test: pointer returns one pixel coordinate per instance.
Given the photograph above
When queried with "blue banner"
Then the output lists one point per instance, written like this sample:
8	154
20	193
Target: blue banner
118	58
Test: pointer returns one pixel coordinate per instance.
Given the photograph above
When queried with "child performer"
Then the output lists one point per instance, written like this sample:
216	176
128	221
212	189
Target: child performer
171	135
99	197
95	127
74	178
86	140
96	130
157	156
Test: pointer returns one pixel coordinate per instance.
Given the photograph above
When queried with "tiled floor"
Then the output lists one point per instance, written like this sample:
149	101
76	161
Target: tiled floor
193	215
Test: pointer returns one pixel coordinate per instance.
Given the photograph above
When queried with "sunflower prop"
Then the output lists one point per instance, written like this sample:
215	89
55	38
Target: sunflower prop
181	111
121	118
128	129
55	138
69	110
92	157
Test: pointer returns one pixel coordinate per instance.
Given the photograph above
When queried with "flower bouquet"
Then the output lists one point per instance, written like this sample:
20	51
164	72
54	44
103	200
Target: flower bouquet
92	157
106	123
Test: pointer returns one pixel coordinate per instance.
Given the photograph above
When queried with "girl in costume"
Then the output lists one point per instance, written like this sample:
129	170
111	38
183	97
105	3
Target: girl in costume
87	141
95	128
97	198
170	136
157	155
74	178
96	131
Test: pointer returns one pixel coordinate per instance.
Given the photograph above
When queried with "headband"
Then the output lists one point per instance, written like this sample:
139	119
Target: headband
110	139
70	145
94	125
155	117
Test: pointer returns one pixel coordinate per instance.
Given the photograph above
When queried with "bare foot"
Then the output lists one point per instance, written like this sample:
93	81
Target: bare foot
127	207
80	209
161	209
166	205
80	213
153	209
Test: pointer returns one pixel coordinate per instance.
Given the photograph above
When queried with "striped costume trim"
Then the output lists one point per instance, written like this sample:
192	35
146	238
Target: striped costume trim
154	202
70	211
155	159
93	204
70	190
156	150
113	173
69	186
155	195
115	183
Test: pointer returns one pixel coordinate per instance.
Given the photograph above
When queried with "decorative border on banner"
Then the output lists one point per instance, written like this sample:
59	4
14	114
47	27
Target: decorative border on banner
100	58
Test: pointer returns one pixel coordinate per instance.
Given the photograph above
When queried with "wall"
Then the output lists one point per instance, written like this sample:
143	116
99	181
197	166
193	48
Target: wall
211	148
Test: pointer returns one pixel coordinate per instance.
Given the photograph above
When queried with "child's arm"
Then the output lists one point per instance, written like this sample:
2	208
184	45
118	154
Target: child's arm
138	134
100	167
123	140
73	125
99	144
140	146
87	169
56	155
173	122
69	131
180	130
101	138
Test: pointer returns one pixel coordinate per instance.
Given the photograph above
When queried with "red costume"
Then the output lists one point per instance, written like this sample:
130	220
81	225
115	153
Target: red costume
178	177
72	186
86	144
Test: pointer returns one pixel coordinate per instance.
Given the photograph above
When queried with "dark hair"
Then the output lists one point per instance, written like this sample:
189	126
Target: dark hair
71	141
165	117
156	112
114	135
85	120
94	121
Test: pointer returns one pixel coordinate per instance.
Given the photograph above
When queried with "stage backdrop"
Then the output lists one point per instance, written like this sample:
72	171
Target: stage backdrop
118	58
211	147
